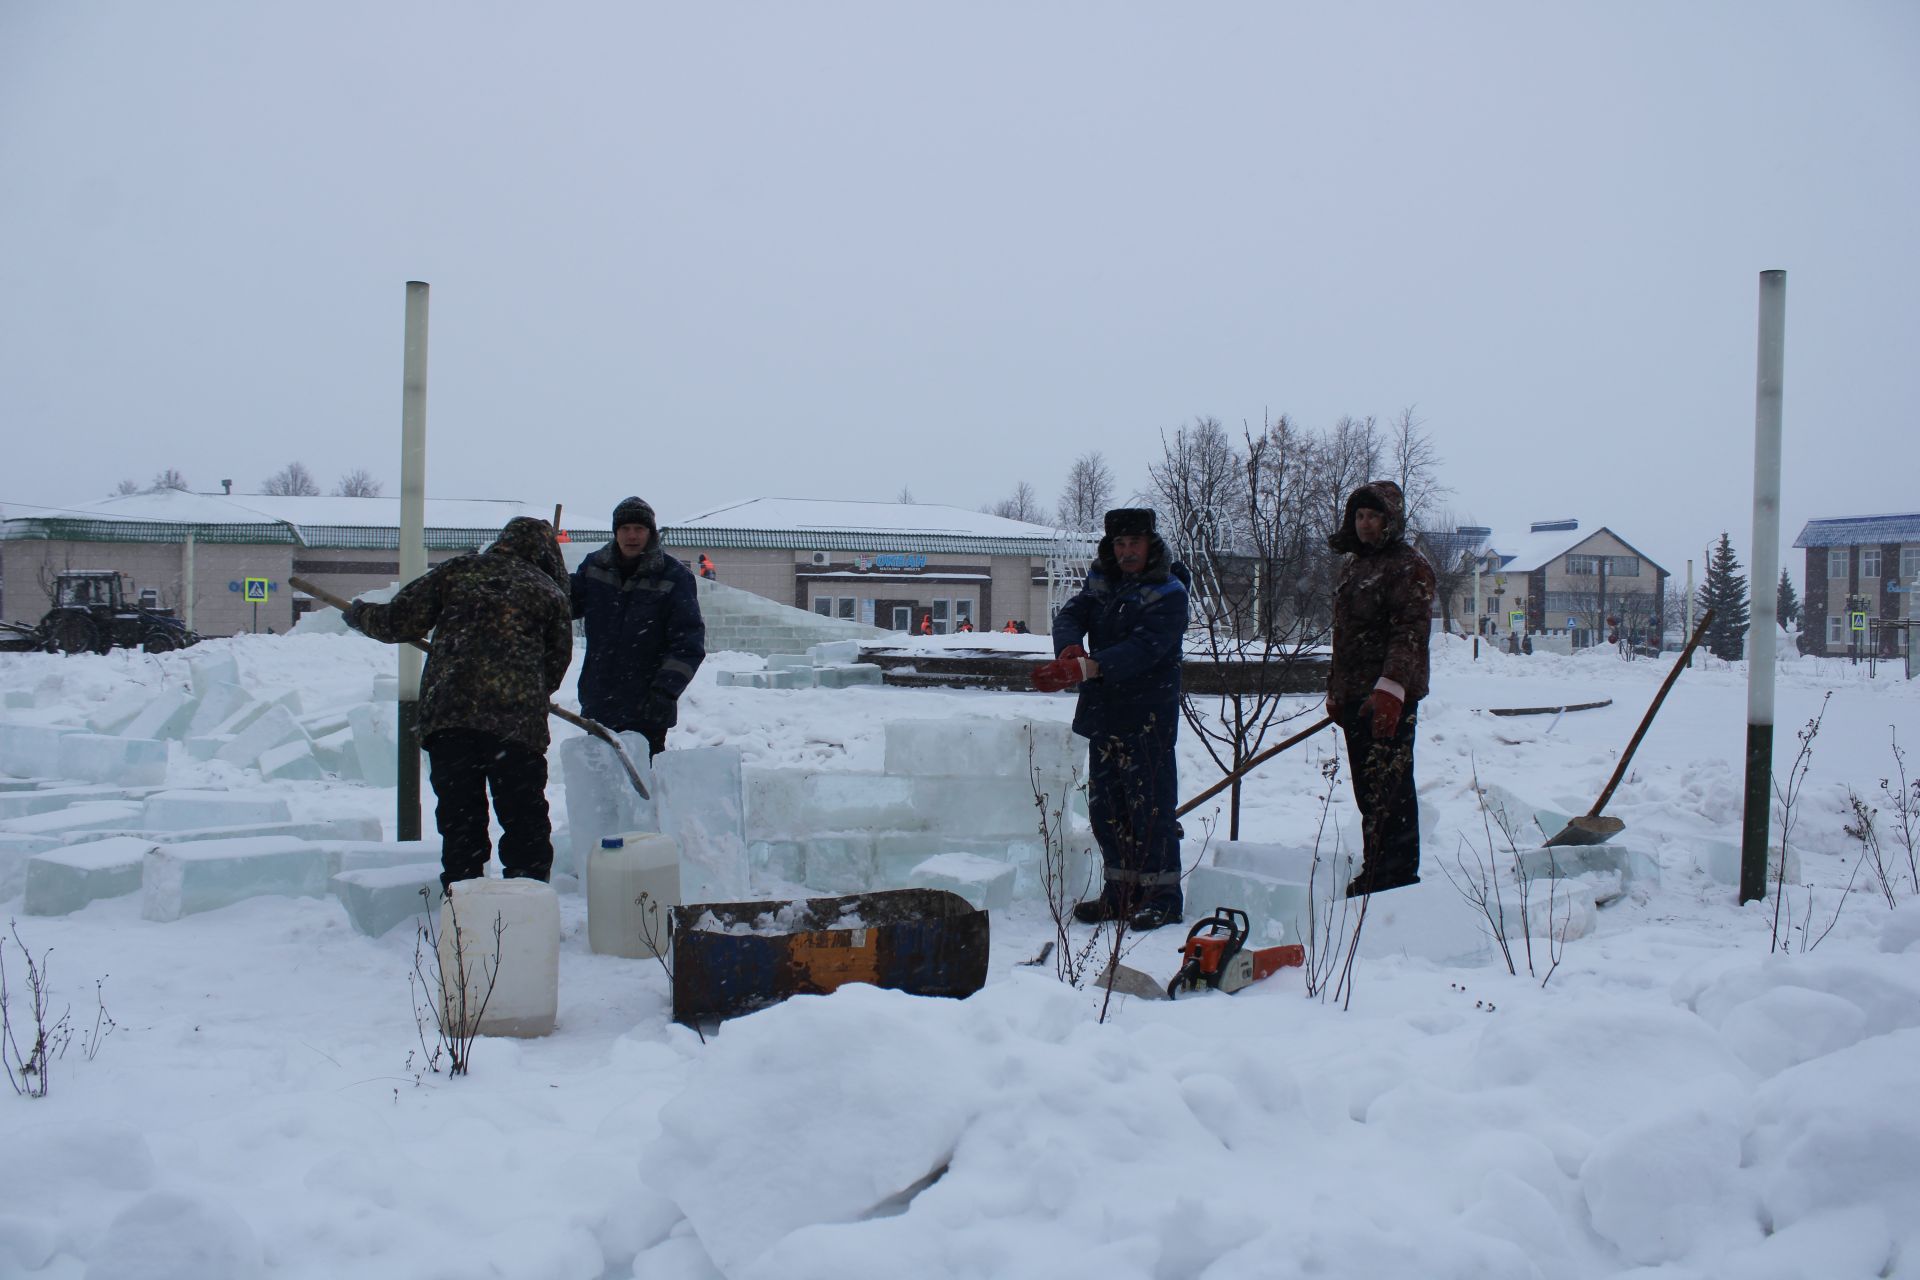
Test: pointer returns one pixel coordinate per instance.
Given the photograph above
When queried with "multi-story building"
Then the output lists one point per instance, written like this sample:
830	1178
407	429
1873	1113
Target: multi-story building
1861	578
1558	579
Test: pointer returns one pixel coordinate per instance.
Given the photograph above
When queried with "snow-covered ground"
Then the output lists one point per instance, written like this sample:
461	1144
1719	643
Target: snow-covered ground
1675	1102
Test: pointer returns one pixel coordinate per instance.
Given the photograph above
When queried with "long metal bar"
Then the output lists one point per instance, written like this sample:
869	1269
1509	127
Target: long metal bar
1250	766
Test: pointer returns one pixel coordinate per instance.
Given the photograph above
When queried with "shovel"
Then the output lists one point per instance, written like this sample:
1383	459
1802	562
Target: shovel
1590	827
578	721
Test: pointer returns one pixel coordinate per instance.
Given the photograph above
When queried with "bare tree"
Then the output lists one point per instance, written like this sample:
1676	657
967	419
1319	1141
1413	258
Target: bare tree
1088	493
168	479
126	487
1253	542
1451	547
1350	455
292	480
1022	504
905	496
1413	460
1199	489
358	483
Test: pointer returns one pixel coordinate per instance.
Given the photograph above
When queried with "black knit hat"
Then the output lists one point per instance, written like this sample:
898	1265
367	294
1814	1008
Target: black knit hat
1122	521
634	511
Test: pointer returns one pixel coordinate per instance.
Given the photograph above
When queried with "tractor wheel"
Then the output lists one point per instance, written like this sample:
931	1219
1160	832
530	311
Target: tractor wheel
73	633
160	640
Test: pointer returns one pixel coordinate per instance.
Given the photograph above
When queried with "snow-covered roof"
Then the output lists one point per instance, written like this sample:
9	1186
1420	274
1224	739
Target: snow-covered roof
1537	550
177	506
1541	546
862	517
802	524
1851	531
167	515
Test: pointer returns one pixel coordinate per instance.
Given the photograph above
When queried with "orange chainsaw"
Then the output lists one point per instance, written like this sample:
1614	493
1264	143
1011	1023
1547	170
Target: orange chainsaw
1215	955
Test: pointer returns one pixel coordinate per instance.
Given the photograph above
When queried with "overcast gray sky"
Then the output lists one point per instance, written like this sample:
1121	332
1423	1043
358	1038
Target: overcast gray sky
705	252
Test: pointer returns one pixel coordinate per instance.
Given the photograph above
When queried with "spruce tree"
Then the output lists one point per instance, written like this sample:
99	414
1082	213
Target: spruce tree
1725	592
1786	604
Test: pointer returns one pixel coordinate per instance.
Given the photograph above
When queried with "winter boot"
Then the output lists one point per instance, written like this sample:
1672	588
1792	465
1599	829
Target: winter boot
1366	882
1154	915
1097	910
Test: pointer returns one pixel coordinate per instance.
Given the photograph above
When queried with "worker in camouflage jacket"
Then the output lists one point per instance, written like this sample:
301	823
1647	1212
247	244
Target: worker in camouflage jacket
1132	617
1382	615
645	637
502	641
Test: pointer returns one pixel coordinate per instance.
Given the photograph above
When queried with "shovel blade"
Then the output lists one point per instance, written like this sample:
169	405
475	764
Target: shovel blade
1587	829
1131	982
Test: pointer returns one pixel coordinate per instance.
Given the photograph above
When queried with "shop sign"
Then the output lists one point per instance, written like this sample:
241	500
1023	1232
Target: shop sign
899	561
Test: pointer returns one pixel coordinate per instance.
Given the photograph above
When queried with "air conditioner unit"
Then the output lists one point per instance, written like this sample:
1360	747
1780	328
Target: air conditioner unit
823	557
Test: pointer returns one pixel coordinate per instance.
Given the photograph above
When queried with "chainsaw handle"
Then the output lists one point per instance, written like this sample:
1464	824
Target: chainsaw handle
1228	920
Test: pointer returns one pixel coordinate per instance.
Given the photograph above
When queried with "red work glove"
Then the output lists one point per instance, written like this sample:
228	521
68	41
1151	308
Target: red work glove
1062	673
1386	713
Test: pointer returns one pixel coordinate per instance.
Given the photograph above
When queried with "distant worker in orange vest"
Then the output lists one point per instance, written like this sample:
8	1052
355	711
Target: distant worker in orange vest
966	624
926	624
1010	629
706	567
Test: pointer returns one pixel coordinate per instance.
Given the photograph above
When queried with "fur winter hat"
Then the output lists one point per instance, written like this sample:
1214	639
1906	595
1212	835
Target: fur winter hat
1122	521
634	511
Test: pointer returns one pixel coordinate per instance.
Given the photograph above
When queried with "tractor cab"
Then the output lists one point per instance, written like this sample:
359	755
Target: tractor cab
91	614
87	589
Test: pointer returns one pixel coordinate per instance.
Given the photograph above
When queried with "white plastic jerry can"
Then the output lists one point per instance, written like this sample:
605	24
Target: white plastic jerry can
633	881
504	983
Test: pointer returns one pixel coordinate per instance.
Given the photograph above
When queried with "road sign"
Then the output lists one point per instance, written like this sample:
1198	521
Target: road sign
256	590
1572	623
1859	622
1516	619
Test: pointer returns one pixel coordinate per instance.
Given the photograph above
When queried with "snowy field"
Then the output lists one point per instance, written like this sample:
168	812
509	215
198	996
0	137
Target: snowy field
1675	1102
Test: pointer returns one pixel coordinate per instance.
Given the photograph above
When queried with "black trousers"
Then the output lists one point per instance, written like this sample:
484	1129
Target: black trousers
466	762
1383	788
1132	792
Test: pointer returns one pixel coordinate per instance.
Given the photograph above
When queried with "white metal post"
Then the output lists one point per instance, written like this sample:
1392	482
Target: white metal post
1764	573
413	546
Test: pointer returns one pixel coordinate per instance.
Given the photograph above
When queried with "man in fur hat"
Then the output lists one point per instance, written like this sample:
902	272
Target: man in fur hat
1382	614
645	637
1119	641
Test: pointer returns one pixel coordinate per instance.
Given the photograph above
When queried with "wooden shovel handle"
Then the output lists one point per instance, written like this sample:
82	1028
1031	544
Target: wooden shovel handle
1646	721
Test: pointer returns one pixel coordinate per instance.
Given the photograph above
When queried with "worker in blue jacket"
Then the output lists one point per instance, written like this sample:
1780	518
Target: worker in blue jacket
1119	641
645	638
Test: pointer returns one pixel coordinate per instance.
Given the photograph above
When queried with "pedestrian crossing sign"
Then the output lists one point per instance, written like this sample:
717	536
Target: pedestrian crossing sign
1859	621
256	591
1516	619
